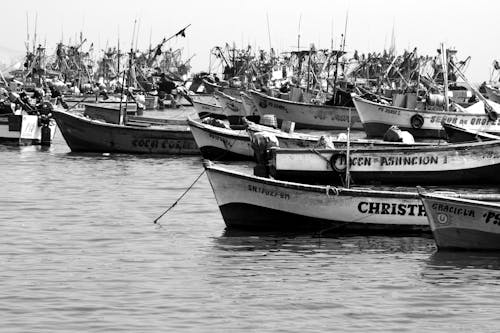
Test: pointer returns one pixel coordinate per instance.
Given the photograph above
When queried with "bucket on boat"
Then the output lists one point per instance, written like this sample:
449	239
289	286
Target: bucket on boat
435	100
269	120
411	101
287	126
399	100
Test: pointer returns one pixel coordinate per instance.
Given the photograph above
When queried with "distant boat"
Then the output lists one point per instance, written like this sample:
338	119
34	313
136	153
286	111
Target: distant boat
453	164
377	118
222	143
457	134
83	134
250	202
307	115
463	224
204	109
232	107
23	129
493	93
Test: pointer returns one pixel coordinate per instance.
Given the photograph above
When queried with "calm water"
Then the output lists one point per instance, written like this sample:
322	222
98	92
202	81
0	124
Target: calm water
79	252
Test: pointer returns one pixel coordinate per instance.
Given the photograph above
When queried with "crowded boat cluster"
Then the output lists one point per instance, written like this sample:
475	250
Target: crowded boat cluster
339	142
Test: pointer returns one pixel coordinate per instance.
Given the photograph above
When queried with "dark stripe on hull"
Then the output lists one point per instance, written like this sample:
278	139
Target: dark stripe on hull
219	154
466	239
477	176
377	130
211	115
319	127
252	217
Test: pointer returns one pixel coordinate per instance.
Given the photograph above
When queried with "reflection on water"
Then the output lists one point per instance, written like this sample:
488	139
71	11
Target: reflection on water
240	240
447	268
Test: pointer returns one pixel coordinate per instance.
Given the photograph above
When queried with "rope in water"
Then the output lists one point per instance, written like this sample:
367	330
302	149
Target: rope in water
179	199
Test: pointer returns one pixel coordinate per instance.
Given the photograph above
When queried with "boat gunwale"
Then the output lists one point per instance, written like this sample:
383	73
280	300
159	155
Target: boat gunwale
284	101
325	189
117	126
357	98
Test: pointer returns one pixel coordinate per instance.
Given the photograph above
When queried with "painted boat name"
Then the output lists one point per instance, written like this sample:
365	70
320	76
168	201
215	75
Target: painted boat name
384	208
270	193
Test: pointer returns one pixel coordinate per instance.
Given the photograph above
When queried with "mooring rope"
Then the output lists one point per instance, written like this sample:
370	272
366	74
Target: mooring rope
179	199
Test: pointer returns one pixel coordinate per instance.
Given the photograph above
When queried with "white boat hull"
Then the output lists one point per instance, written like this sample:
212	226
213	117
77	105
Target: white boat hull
247	201
208	110
231	106
307	115
28	131
378	118
467	163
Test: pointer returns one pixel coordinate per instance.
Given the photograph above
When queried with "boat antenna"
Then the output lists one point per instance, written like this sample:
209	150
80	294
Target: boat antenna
298	34
137	35
118	55
34	35
268	32
345	30
27	32
444	54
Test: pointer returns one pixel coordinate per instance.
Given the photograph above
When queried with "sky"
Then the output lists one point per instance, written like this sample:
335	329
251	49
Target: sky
468	26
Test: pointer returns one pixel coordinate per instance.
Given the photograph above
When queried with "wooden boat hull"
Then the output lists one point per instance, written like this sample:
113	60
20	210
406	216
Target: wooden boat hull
493	93
306	115
378	118
205	99
463	224
86	135
208	110
249	106
467	163
221	143
218	143
22	129
457	134
231	106
251	202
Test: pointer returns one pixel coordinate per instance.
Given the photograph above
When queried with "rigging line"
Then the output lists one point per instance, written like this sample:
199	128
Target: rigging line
179	199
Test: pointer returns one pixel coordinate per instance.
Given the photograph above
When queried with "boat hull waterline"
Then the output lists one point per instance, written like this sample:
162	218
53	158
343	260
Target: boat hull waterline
251	202
86	135
463	224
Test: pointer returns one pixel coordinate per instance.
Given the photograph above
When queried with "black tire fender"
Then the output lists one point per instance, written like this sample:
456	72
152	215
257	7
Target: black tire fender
338	162
416	121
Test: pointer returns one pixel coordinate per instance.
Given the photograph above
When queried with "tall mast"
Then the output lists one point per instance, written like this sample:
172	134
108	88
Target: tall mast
445	76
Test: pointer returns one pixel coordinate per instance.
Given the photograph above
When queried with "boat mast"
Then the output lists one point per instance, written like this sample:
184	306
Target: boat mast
348	153
445	76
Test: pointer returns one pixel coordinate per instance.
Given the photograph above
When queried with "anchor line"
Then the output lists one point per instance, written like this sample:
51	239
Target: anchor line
179	199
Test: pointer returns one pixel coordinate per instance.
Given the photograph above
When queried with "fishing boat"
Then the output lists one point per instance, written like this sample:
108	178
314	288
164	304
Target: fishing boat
454	164
25	129
307	115
232	107
229	143
208	109
493	93
377	118
249	202
458	223
83	134
457	134
251	111
221	142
